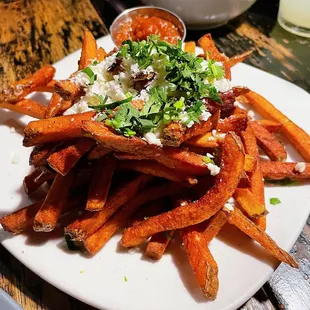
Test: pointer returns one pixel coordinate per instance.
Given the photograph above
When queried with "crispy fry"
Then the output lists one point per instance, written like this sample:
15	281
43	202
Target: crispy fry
22	88
26	107
89	222
67	156
36	178
49	87
56	105
280	171
206	141
214	226
232	61
155	169
297	136
158	244
181	160
202	262
190	47
100	183
249	163
119	220
236	218
232	162
238	110
54	203
249	203
40	154
101	54
271	146
271	126
256	177
98	151
68	90
89	50
55	129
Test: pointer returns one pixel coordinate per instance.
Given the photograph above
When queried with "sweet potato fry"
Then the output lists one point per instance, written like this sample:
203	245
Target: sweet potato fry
202	262
158	244
101	54
271	126
297	136
100	183
55	129
155	169
26	107
214	226
176	158
190	47
56	105
249	163
237	219
280	171
98	151
54	203
22	88
89	222
49	87
67	156
36	178
89	50
68	90
232	162
256	177
211	51
40	153
249	203
119	220
271	146
206	141
232	61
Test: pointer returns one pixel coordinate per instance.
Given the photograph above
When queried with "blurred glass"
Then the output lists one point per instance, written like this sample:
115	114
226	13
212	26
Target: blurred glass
294	16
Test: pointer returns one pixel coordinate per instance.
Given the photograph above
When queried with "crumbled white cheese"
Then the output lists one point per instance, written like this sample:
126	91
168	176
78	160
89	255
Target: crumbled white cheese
222	85
251	114
12	130
300	167
221	137
79	107
190	124
134	250
144	96
204	116
214	169
80	78
15	158
183	203
150	138
209	155
211	139
237	103
229	206
214	133
231	200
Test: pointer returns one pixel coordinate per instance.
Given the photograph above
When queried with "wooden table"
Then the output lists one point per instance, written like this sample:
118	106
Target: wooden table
37	32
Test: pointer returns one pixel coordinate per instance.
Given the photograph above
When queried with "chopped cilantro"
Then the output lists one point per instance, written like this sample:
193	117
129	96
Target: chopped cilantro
284	182
125	279
274	201
208	160
91	75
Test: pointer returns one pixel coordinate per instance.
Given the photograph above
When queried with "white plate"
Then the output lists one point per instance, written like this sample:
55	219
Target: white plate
169	283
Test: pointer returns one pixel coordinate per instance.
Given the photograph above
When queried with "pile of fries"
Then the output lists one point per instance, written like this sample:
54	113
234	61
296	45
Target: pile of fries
165	190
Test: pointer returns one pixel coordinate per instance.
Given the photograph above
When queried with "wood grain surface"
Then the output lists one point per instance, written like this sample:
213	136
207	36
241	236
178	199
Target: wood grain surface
38	32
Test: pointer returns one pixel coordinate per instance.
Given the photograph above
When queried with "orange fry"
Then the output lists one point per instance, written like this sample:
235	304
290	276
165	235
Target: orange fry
190	47
55	129
56	105
54	203
68	90
36	178
22	88
271	146
100	183
214	226
40	153
249	203
237	219
49	87
232	162
26	107
280	170
202	262
101	54
89	50
271	126
297	136
232	61
89	222
249	163
67	156
119	220
98	151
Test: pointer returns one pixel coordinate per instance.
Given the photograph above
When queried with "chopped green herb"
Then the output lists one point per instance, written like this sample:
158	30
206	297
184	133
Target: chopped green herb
208	160
125	279
274	201
91	75
284	182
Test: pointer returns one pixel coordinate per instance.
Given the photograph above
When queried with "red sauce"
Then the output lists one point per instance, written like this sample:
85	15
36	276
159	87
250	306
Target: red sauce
140	27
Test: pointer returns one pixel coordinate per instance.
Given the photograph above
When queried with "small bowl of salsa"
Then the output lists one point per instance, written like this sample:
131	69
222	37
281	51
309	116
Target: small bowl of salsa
138	23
